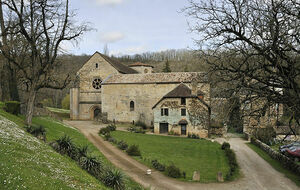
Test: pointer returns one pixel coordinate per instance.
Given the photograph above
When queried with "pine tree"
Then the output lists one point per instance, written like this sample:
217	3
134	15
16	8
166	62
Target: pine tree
167	68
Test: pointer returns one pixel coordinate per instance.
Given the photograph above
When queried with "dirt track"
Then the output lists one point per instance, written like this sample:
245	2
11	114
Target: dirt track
257	173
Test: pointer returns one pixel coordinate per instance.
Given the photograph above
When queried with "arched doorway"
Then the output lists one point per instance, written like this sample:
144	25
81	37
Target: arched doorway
97	112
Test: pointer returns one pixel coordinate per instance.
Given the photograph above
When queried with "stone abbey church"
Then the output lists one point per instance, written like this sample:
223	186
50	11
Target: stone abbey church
176	101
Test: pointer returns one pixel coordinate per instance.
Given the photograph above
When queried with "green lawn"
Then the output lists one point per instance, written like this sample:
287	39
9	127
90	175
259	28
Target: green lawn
27	163
275	164
58	110
187	154
55	129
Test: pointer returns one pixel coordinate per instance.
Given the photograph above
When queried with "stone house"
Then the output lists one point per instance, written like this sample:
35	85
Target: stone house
182	111
128	93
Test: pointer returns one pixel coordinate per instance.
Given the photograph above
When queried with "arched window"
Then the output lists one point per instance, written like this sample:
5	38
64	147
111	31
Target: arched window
96	65
132	106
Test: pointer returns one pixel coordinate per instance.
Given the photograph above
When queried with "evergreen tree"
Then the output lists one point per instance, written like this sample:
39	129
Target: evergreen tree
167	68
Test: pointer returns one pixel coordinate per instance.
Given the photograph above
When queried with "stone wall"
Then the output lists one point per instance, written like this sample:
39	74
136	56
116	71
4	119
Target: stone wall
196	116
285	161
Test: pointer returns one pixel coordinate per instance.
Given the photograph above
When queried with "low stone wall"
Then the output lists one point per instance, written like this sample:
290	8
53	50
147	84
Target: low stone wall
285	161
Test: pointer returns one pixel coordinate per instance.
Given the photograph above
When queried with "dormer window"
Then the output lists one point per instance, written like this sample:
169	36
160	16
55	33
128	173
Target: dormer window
97	65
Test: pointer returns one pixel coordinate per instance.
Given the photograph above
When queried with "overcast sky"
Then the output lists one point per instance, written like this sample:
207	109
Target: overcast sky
132	26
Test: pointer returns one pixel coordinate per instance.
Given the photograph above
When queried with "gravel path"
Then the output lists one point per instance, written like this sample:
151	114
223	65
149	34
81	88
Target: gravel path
257	174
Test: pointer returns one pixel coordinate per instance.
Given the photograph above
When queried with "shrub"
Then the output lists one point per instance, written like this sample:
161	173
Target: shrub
65	145
104	131
193	136
82	151
135	129
173	171
225	145
114	179
65	103
107	136
133	150
141	124
265	135
111	127
12	107
158	166
37	131
112	140
122	145
232	163
91	164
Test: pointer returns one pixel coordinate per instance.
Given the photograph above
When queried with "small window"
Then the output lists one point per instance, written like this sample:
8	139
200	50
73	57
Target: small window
146	71
96	65
97	83
183	112
132	106
183	102
164	112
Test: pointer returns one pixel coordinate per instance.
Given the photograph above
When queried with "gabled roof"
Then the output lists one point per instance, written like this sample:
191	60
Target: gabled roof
139	64
119	66
181	91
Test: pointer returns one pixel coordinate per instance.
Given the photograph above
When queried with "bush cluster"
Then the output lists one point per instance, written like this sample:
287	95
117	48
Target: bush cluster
12	107
193	136
173	171
106	131
133	150
122	145
158	166
231	159
37	131
225	145
141	124
110	177
136	129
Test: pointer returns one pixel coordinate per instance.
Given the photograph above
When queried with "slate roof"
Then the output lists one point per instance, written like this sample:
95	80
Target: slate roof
119	66
139	64
157	78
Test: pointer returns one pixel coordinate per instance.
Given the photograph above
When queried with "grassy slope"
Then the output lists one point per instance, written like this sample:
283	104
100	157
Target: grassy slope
27	163
188	154
275	164
55	130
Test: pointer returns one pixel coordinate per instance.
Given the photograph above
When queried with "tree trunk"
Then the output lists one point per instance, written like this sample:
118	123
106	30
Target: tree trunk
8	84
30	107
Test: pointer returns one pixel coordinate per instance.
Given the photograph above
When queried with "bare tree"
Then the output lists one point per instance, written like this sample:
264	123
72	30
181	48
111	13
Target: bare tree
37	30
105	50
253	46
8	84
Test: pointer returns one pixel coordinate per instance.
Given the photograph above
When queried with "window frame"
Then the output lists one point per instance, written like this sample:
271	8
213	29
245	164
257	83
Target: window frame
164	111
183	111
183	101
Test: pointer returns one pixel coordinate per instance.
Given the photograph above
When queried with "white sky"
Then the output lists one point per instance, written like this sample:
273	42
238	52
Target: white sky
132	26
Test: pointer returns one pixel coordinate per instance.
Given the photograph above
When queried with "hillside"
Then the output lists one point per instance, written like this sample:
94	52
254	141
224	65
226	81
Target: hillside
27	163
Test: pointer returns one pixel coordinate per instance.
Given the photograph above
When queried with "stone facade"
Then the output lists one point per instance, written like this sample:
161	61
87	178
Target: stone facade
193	120
128	94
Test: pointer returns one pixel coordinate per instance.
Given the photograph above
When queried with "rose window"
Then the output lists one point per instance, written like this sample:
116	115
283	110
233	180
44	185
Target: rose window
97	83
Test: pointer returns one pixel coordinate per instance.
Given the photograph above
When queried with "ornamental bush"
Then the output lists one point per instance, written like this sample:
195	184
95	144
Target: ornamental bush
225	145
173	171
158	166
133	150
122	145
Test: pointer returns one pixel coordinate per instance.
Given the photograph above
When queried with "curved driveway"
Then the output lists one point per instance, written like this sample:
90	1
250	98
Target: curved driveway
257	174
